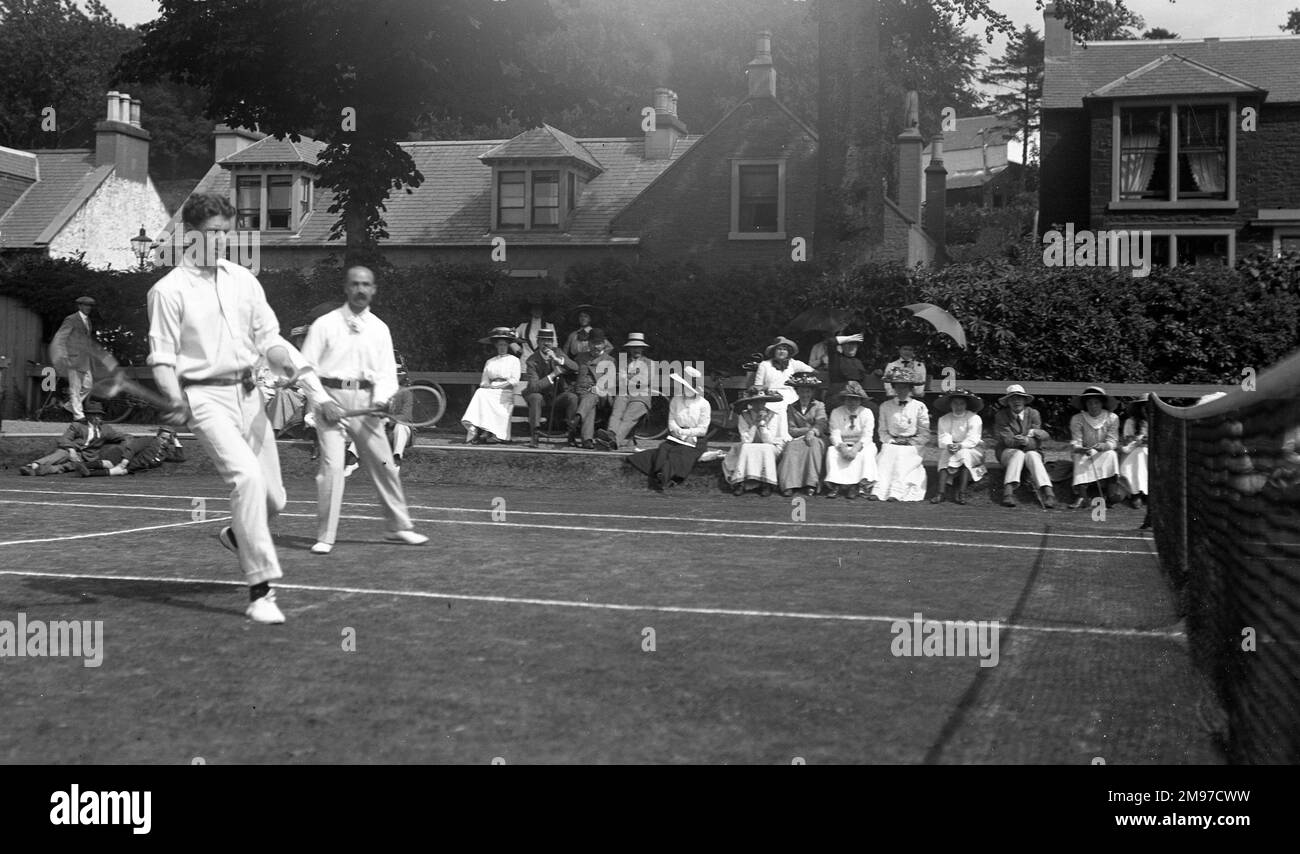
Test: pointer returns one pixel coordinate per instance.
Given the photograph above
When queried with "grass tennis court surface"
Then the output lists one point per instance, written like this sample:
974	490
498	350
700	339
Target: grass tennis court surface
523	639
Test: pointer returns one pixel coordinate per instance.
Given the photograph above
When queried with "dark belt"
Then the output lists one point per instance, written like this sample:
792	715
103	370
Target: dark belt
331	382
245	379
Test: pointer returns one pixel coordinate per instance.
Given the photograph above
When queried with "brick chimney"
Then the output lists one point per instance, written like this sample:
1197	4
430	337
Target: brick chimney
936	195
760	72
660	142
120	141
227	140
910	142
1058	41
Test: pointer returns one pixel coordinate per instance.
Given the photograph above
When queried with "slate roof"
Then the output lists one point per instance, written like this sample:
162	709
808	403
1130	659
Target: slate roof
1268	63
19	163
541	142
454	204
272	150
973	178
967	134
1173	74
67	178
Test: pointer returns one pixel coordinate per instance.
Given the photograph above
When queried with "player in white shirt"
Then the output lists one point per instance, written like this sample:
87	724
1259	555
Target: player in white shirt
352	352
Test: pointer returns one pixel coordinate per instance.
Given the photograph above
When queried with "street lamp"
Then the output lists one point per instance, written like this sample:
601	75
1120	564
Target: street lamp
141	246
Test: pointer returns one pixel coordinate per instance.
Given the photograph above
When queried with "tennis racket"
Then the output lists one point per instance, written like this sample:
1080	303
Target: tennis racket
113	381
414	406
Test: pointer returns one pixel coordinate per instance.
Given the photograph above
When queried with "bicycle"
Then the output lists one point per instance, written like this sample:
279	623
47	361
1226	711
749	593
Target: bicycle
654	424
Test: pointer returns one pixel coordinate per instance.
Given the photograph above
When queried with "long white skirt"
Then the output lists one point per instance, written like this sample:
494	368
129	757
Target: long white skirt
490	410
851	472
902	473
971	458
1133	470
1098	467
751	461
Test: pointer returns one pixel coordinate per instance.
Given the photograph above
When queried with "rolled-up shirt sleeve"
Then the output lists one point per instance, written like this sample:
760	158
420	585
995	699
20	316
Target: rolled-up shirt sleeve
164	326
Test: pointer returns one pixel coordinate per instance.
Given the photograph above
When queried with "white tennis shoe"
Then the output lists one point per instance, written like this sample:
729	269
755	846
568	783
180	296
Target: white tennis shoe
265	610
409	537
322	549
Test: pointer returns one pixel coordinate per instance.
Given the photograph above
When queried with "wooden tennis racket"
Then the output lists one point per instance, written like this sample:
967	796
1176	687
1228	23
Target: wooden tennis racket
414	406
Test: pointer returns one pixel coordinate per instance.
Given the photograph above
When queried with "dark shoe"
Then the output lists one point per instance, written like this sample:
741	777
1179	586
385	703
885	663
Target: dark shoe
27	470
938	499
1138	503
871	496
943	488
607	436
1049	498
1009	496
786	493
588	445
764	491
1078	503
534	441
80	468
852	492
397	461
227	539
350	459
810	491
891	498
738	489
43	471
832	492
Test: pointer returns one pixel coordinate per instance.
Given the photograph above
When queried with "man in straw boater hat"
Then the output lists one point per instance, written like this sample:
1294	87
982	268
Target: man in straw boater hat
763	434
689	418
904	429
1094	436
543	371
1020	436
70	352
961	442
803	461
635	385
851	458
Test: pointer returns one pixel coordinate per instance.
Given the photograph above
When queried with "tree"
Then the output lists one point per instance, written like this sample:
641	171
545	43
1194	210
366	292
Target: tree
1020	70
1292	24
357	78
1159	33
1106	21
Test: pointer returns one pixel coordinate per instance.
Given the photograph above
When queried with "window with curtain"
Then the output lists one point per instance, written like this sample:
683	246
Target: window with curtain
248	203
759	196
279	201
546	199
1144	153
510	200
306	196
1203	152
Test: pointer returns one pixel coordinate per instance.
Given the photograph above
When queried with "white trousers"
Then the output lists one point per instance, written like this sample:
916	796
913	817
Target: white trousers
375	456
1014	460
79	383
235	433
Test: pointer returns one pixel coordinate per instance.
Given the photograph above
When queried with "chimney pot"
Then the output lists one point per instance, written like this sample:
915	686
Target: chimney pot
664	101
135	112
760	71
936	195
123	108
1058	41
111	116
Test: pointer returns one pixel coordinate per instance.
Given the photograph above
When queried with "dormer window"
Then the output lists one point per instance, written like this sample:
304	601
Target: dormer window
537	179
546	199
271	201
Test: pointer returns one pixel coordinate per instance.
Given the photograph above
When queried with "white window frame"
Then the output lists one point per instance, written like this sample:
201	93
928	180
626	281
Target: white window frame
1283	232
528	168
298	193
1172	104
1172	234
735	233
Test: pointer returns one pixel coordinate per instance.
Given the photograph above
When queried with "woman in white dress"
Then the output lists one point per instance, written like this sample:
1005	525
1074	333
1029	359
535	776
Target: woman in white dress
763	433
1094	436
689	419
904	430
773	375
1133	451
961	443
488	417
851	457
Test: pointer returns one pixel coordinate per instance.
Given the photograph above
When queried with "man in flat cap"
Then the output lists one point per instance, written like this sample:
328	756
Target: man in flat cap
70	352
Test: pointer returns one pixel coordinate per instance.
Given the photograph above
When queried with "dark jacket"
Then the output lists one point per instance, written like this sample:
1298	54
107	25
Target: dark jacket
538	372
70	350
75	439
1007	430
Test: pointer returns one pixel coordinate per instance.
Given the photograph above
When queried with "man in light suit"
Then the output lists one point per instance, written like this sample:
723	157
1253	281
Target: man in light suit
70	352
1020	437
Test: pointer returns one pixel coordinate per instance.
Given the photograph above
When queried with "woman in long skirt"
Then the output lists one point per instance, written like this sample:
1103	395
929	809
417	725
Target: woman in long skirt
804	458
488	415
904	430
763	434
1133	452
851	456
689	417
1094	436
961	443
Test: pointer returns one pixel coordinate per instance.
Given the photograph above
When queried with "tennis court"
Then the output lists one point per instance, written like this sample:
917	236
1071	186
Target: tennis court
526	636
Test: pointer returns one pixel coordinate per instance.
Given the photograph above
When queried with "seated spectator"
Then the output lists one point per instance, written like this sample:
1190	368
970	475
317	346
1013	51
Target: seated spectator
961	443
775	371
528	333
1094	436
904	430
763	434
542	376
1020	436
139	453
1133	452
804	458
632	402
488	417
80	448
844	366
907	361
596	381
851	457
689	417
577	344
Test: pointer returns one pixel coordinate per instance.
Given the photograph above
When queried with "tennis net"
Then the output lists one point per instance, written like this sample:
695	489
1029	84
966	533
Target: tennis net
1225	513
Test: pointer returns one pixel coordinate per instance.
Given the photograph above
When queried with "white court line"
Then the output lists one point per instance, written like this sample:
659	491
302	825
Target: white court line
730	535
622	516
601	606
112	533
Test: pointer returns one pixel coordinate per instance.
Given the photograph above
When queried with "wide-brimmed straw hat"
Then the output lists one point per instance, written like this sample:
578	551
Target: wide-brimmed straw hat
804	379
1016	390
592	310
636	339
781	341
753	395
973	402
548	333
1107	401
499	333
900	376
853	389
692	375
